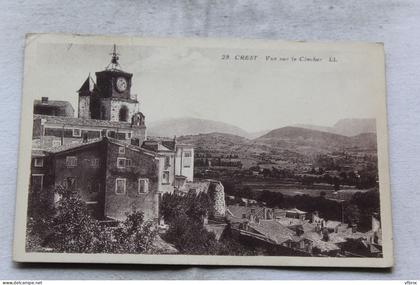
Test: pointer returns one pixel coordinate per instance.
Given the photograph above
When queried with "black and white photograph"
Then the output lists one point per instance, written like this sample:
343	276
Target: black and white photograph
203	152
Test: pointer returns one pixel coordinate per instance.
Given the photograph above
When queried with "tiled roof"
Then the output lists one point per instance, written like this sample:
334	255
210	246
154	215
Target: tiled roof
308	227
57	149
53	103
130	146
295	211
156	146
65	147
317	241
287	222
239	211
332	224
336	238
273	230
70	121
38	152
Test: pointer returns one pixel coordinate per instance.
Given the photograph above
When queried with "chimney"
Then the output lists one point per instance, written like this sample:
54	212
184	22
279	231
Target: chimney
44	100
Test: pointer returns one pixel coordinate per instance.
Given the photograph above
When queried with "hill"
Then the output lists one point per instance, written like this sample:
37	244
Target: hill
353	127
302	140
309	141
346	127
191	126
216	141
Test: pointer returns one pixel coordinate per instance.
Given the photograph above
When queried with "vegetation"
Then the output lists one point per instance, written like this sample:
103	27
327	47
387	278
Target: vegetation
358	210
69	227
185	216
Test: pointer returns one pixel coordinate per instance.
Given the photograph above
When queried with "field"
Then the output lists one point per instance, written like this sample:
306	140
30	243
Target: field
292	189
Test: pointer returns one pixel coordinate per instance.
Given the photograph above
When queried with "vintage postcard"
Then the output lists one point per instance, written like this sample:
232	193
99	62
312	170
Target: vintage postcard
203	151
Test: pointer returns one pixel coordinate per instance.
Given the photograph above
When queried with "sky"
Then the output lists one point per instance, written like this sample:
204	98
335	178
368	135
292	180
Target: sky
195	81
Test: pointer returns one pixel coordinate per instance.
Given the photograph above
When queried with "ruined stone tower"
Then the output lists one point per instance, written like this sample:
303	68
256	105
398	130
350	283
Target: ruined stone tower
216	192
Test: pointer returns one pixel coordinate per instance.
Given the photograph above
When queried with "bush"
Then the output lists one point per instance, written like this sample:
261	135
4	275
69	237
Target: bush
72	229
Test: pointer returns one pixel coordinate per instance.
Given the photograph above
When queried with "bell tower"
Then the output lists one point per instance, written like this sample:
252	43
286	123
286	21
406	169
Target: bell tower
112	99
113	81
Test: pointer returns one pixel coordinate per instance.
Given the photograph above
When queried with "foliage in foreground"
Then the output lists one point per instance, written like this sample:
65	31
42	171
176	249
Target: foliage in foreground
69	228
185	216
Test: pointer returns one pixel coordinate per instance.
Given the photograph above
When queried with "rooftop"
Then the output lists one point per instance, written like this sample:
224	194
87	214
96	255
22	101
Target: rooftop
41	151
53	103
70	121
273	230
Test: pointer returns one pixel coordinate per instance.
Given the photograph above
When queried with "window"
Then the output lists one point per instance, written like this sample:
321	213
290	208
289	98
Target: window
77	133
128	136
71	161
111	134
143	185
165	177
123	114
128	163
95	163
70	183
37	182
120	185
167	161
38	162
187	159
120	162
56	143
93	187
121	150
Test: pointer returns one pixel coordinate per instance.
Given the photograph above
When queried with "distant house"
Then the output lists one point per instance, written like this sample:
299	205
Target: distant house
292	234
251	213
178	160
53	108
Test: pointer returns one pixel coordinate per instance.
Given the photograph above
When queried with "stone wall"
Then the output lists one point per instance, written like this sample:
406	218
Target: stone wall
115	107
214	190
142	166
84	107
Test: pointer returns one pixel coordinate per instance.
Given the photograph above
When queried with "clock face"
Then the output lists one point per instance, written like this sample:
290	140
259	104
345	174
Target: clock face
121	84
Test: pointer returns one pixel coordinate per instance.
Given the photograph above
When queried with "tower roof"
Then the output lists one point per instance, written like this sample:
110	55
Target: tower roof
114	65
87	86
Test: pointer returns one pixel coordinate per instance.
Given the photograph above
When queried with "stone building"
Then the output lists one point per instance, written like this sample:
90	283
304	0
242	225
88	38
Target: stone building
53	107
110	97
112	177
106	108
53	131
103	154
179	161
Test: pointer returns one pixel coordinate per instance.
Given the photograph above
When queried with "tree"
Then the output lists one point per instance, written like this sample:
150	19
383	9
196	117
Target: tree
190	237
72	229
40	213
272	199
352	214
135	235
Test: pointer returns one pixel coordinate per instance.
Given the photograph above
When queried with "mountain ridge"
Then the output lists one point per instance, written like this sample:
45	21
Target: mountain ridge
194	126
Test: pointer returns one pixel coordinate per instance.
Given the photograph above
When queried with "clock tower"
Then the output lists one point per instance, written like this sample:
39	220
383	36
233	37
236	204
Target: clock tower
111	98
